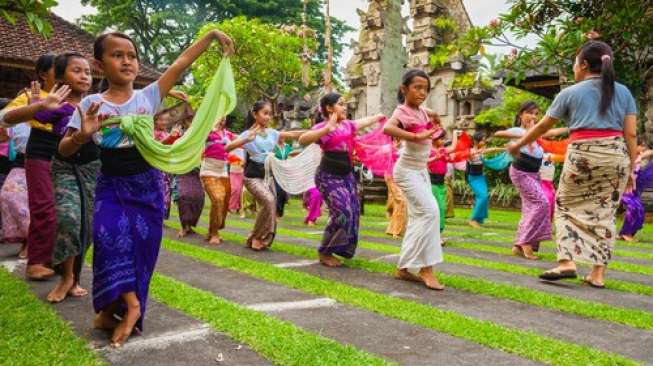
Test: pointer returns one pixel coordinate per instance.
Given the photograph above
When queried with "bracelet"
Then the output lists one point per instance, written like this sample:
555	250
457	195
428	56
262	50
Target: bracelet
75	140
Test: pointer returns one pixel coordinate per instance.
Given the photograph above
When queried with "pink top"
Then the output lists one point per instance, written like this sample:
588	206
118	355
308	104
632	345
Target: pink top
414	121
4	146
438	166
216	143
342	139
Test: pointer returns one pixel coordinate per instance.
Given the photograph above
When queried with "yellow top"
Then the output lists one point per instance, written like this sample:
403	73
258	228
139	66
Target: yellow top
21	101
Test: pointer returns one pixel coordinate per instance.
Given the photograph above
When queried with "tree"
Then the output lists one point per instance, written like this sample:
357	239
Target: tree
267	63
33	11
503	115
162	28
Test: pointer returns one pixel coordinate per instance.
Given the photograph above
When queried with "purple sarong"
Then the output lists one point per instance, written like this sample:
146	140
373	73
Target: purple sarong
634	214
127	231
341	232
191	198
534	225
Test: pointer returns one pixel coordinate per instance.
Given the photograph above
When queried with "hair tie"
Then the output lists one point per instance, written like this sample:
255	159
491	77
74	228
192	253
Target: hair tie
605	58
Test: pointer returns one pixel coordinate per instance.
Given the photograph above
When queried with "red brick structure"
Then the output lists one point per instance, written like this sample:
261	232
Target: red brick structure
20	48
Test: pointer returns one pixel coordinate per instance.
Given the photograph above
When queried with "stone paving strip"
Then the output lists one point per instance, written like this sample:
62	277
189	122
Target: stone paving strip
498	311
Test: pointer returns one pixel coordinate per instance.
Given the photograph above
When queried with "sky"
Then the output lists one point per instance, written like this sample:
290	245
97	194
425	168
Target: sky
480	12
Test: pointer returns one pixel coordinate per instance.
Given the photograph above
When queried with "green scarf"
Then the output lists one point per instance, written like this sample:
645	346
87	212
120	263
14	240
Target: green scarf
185	154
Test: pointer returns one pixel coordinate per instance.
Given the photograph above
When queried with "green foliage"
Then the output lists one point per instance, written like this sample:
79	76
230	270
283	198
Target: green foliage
164	28
33	11
468	80
503	115
267	62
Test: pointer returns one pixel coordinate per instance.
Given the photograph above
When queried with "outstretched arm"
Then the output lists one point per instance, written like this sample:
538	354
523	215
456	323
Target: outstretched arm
292	135
368	121
556	132
74	139
540	128
454	142
174	72
53	101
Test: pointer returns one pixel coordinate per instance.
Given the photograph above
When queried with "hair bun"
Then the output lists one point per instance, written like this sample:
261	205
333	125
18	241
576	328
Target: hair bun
605	58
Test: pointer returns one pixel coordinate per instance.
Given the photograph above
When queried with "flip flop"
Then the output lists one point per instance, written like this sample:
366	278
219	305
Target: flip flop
555	275
588	280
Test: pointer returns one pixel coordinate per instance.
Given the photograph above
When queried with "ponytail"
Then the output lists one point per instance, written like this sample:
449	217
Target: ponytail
250	119
599	57
329	100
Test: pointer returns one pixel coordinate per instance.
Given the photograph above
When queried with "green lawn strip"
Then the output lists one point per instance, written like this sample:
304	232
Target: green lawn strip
617	285
631	317
31	332
523	343
279	341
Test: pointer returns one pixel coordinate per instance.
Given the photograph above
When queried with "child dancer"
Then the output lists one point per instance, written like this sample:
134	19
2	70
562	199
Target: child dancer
335	178
190	201
282	151
437	166
547	173
258	141
215	179
41	146
635	212
236	163
421	248
602	117
128	220
476	180
525	175
396	206
312	200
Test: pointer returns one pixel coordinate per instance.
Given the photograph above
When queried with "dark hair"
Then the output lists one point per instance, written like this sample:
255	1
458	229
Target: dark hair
61	63
525	107
44	64
98	45
478	136
258	105
329	100
598	56
407	79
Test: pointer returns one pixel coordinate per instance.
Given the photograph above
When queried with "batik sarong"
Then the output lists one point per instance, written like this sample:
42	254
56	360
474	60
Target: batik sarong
127	231
218	190
14	207
396	201
191	198
248	203
533	228
312	200
265	226
421	246
167	193
341	231
478	184
74	192
550	193
593	179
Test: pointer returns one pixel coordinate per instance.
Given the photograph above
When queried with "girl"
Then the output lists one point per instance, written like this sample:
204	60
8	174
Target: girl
635	211
13	196
601	115
437	166
525	175
282	151
476	180
258	141
421	248
190	201
396	207
128	218
335	179
73	178
215	178
41	147
547	173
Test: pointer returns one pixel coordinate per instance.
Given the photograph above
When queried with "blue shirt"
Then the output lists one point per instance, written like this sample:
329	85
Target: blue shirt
533	149
578	105
145	101
262	145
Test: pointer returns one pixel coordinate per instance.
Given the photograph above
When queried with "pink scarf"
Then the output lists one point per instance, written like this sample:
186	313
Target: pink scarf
414	121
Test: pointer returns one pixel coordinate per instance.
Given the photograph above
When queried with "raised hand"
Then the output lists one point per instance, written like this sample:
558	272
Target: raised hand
226	42
90	119
56	97
33	92
427	134
178	95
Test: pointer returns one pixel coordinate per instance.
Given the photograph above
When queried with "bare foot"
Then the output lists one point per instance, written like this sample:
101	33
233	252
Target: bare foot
215	240
257	245
628	238
125	327
105	321
404	275
474	224
329	260
182	233
429	279
23	252
310	223
443	242
242	215
395	236
78	291
58	294
38	272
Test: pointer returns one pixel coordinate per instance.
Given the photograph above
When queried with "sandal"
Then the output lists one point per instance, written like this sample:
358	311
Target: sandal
588	280
556	274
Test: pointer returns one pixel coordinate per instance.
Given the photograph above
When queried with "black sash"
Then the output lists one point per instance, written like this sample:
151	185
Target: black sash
474	169
336	162
5	165
19	162
527	163
122	162
436	179
254	169
42	144
87	153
